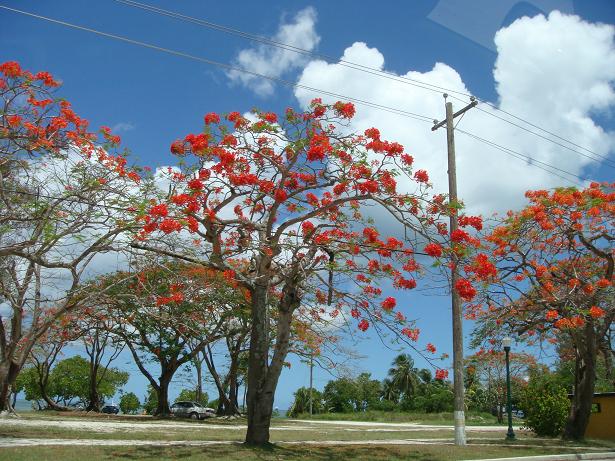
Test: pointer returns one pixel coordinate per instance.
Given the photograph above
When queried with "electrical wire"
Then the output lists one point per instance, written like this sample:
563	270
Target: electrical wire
288	47
372	71
534	162
121	38
401	112
601	158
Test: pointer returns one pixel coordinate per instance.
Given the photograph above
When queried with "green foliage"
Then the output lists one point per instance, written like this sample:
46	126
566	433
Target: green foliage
545	403
150	401
368	392
403	374
301	404
27	381
70	380
129	403
340	395
433	397
190	396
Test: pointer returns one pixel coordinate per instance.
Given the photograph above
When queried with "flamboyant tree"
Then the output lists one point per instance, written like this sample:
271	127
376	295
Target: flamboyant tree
63	199
488	367
167	313
285	206
42	358
556	281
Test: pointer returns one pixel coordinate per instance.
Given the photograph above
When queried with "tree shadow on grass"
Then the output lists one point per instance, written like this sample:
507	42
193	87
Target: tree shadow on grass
271	452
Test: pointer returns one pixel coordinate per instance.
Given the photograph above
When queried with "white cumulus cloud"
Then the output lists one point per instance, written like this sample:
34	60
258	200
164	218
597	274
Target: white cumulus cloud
556	71
273	61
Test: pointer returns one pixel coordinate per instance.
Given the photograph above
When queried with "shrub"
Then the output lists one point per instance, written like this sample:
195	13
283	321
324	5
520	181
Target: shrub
129	403
546	406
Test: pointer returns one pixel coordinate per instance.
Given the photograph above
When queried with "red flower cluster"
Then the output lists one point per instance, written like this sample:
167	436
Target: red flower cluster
210	118
433	249
465	289
389	303
431	348
159	210
411	333
363	325
596	312
344	110
474	221
421	176
169	225
441	374
280	195
482	267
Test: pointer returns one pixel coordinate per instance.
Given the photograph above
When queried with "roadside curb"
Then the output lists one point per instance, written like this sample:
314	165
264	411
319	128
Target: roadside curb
569	457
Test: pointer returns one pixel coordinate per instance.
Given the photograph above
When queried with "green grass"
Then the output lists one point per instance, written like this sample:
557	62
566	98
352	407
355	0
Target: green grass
287	453
478	419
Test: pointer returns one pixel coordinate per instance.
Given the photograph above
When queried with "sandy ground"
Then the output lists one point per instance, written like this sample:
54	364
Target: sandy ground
295	425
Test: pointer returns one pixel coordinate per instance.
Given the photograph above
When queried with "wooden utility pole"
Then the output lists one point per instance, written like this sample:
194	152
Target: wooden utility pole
311	380
459	414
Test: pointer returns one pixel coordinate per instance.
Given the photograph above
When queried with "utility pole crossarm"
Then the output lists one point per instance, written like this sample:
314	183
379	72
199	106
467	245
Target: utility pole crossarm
437	124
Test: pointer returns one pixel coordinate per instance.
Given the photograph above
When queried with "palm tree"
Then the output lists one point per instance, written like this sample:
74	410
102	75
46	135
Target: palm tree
403	374
390	391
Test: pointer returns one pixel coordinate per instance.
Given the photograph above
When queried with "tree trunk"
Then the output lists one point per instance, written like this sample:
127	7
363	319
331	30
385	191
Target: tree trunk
199	378
260	403
584	383
8	373
93	396
163	410
262	376
232	408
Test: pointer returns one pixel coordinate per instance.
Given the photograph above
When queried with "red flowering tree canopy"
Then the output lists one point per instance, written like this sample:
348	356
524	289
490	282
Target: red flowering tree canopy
557	261
64	198
286	200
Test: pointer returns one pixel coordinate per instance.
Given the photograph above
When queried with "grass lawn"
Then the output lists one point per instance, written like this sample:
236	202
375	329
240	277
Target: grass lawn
287	453
291	436
472	419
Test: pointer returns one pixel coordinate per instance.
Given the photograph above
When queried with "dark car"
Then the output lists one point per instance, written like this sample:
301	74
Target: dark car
191	410
110	409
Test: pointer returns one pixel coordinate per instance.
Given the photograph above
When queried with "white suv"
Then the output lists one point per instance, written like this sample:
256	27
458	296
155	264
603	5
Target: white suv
191	410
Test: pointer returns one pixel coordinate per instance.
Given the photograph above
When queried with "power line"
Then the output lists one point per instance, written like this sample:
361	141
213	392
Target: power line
369	70
288	47
534	162
600	158
121	38
401	112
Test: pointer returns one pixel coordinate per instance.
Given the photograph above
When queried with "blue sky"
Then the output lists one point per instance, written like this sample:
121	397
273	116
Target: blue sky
152	97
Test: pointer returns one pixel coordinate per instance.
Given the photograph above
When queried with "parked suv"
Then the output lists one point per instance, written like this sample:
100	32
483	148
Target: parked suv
191	410
110	409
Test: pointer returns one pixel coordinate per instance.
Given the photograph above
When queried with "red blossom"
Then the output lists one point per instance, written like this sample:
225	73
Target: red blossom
596	312
411	333
421	176
389	303
441	374
465	289
363	325
344	110
159	210
196	184
280	195
433	249
212	117
169	225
